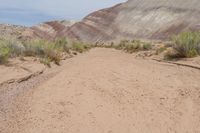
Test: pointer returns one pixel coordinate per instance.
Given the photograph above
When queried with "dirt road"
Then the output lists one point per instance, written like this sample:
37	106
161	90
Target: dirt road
108	91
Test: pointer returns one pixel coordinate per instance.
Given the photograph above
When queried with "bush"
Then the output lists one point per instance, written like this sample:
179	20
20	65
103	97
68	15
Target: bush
77	47
53	56
87	46
16	48
43	49
171	54
133	46
146	46
61	44
46	50
80	47
4	53
46	62
161	50
35	48
187	44
122	44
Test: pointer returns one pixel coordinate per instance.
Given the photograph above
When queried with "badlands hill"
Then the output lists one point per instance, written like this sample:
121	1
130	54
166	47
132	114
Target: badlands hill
146	19
47	30
134	19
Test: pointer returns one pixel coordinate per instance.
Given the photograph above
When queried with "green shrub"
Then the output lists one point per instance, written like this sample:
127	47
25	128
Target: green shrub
187	44
80	47
48	51
171	54
4	53
87	46
146	46
161	50
43	49
122	44
35	48
16	48
77	47
53	56
132	47
46	62
61	44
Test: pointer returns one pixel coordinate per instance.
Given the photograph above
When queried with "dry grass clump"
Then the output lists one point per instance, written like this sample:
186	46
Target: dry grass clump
185	45
10	48
133	46
16	48
61	44
160	50
79	46
47	51
4	52
42	49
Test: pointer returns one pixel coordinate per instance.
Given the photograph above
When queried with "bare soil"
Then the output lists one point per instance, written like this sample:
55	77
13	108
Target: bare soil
105	91
17	69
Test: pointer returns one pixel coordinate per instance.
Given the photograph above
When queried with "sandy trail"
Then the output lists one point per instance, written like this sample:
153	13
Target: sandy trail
108	91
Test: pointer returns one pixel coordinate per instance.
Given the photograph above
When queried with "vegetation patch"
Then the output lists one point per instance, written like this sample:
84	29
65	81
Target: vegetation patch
161	50
4	53
185	45
80	46
133	46
47	51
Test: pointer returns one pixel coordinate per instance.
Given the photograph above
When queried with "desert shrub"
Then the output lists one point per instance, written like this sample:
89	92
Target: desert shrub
198	49
10	48
146	46
79	47
132	47
4	53
16	48
171	55
109	45
161	50
87	46
122	44
43	49
61	44
112	44
53	56
47	51
35	48
46	61
76	46
187	44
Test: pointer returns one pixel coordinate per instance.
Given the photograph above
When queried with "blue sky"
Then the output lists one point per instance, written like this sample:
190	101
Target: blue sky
30	12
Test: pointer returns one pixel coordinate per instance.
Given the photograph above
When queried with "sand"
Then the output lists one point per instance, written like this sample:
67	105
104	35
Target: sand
109	91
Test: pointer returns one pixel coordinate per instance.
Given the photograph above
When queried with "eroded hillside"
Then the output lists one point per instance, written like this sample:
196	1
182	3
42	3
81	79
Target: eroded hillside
146	19
48	30
134	19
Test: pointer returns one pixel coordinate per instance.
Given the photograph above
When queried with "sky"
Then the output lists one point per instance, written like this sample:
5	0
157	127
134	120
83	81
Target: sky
30	12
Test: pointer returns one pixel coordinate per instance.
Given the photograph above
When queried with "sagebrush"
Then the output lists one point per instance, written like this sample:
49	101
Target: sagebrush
187	44
48	51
